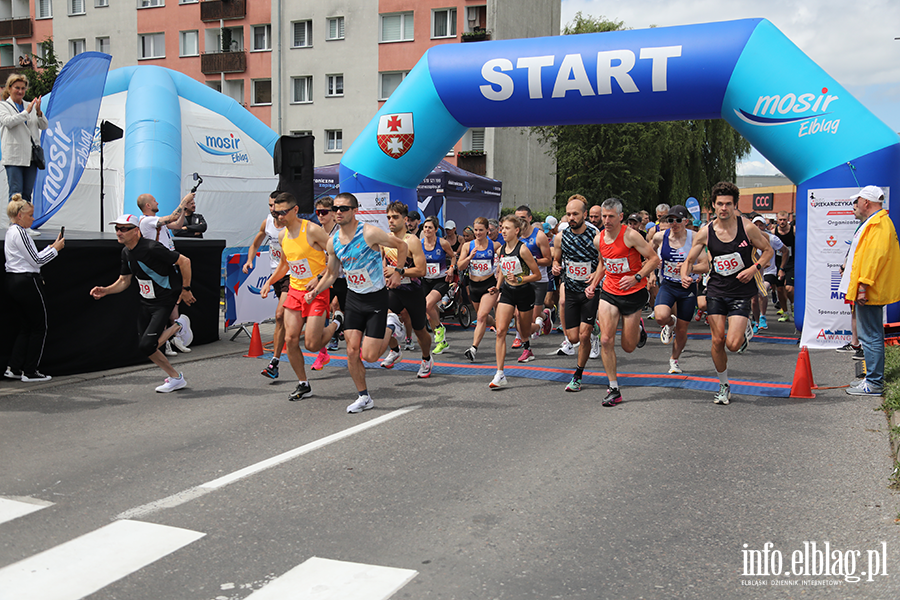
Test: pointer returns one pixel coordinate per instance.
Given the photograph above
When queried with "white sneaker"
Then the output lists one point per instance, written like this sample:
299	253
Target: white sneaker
179	343
425	368
171	384
168	351
748	333
498	381
665	334
540	323
595	346
186	334
399	329
673	366
362	403
566	348
391	359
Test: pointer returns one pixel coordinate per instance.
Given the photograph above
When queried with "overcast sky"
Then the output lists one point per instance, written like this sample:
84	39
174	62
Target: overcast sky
853	40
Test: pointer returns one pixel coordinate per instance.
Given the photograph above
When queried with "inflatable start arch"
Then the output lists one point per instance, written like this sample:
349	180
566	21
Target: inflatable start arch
746	72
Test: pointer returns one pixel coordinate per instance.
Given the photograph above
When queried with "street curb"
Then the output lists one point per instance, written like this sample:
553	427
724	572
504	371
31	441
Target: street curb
895	443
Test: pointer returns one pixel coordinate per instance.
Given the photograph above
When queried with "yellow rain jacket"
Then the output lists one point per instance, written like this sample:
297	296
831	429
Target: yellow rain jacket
876	262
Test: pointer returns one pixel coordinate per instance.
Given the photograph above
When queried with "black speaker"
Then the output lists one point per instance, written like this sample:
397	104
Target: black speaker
294	162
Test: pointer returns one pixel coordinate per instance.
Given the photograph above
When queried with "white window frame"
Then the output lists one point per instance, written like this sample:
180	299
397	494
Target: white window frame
451	23
182	37
338	28
98	42
73	6
253	100
101	3
267	29
407	23
188	1
153	39
150	3
331	85
307	24
73	47
43	9
334	141
381	94
309	89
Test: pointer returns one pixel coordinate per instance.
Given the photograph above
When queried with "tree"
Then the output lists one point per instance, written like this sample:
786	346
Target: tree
644	164
42	76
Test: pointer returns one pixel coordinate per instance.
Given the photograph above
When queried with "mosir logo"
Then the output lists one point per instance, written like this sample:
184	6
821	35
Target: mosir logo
225	145
809	110
66	156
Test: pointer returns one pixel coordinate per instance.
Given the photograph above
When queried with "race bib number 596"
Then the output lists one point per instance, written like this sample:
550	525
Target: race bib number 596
728	264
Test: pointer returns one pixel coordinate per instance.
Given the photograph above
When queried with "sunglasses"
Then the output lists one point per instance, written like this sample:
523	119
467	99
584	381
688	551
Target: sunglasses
323	211
343	208
122	229
674	220
281	213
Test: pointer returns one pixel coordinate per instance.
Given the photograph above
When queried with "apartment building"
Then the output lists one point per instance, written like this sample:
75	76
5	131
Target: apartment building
322	67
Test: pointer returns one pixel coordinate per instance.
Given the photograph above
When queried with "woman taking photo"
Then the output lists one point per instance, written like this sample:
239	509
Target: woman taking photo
25	289
480	257
517	270
20	127
437	277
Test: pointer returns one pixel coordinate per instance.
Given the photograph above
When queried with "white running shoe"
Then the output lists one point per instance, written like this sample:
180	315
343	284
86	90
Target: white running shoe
595	346
470	353
498	381
186	334
399	329
362	403
673	366
172	383
391	359
665	334
168	349
425	368
566	348
724	394
179	343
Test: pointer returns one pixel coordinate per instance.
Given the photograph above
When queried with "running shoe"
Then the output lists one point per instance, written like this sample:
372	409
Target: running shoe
391	359
595	347
527	356
848	347
652	316
858	355
763	323
470	353
399	331
517	343
408	344
755	327
744	345
439	349
750	331
665	334
863	388
439	333
333	344
787	316
425	368
321	360
780	311
38	376
10	374
169	385
566	348
700	314
168	349
271	371
339	317
596	329
723	396
673	366
613	397
362	403
498	381
574	385
643	340
537	333
177	339
303	389
548	321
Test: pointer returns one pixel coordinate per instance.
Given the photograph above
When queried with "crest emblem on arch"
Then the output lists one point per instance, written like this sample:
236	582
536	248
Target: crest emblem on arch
395	134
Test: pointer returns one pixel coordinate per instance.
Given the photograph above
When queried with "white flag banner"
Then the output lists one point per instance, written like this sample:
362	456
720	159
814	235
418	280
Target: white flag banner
373	208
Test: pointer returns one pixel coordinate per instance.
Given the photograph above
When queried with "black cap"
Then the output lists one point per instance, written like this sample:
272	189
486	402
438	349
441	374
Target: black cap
681	212
634	217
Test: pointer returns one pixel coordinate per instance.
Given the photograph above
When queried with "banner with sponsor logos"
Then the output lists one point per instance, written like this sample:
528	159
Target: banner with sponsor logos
243	304
830	226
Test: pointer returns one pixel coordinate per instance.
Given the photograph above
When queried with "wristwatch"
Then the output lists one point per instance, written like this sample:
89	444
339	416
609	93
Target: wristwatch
186	288
400	270
638	276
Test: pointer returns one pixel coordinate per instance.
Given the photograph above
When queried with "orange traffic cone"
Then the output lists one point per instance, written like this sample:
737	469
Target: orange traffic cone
806	361
256	347
802	385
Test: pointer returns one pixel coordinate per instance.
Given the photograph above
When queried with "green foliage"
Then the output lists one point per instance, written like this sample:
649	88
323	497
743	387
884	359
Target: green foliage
644	164
892	380
42	76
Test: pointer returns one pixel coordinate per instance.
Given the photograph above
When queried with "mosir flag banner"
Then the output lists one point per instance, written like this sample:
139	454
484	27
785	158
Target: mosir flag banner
830	227
72	114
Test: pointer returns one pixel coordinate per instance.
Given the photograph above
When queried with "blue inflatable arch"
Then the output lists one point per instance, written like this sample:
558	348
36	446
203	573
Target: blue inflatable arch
746	72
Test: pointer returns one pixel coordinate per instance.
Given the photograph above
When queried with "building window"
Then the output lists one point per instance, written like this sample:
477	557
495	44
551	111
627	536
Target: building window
336	28
389	83
302	90
335	140
76	7
262	92
229	39
189	43
262	37
152	45
477	139
335	85
476	18
101	3
44	9
150	3
76	47
443	23
397	27
302	34
188	1
216	85
103	45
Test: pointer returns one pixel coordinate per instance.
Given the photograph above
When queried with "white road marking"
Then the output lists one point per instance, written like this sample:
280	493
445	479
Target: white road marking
204	488
325	579
13	508
88	563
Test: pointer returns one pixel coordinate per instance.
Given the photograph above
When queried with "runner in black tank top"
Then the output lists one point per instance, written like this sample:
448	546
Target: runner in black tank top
727	259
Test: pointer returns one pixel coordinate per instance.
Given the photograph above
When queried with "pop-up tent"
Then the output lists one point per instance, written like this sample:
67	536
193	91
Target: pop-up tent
448	192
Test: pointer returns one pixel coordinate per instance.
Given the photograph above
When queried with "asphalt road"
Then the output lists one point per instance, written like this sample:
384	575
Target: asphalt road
526	492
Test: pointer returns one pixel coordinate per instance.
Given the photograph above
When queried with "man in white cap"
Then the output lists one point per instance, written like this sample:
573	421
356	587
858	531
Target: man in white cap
164	278
870	280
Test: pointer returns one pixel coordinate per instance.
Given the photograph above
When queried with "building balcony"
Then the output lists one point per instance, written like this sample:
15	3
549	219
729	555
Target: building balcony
214	10
17	28
479	34
223	62
5	72
473	161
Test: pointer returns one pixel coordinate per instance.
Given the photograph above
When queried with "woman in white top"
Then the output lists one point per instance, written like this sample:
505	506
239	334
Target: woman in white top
20	124
24	287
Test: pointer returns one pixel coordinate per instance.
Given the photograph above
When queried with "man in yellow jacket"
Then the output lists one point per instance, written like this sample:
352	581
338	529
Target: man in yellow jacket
870	280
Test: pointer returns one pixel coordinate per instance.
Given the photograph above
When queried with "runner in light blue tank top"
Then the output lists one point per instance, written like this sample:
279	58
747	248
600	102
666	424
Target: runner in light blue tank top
367	274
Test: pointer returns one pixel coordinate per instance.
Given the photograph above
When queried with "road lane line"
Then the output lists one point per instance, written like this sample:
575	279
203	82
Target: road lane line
325	579
91	562
13	508
215	484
